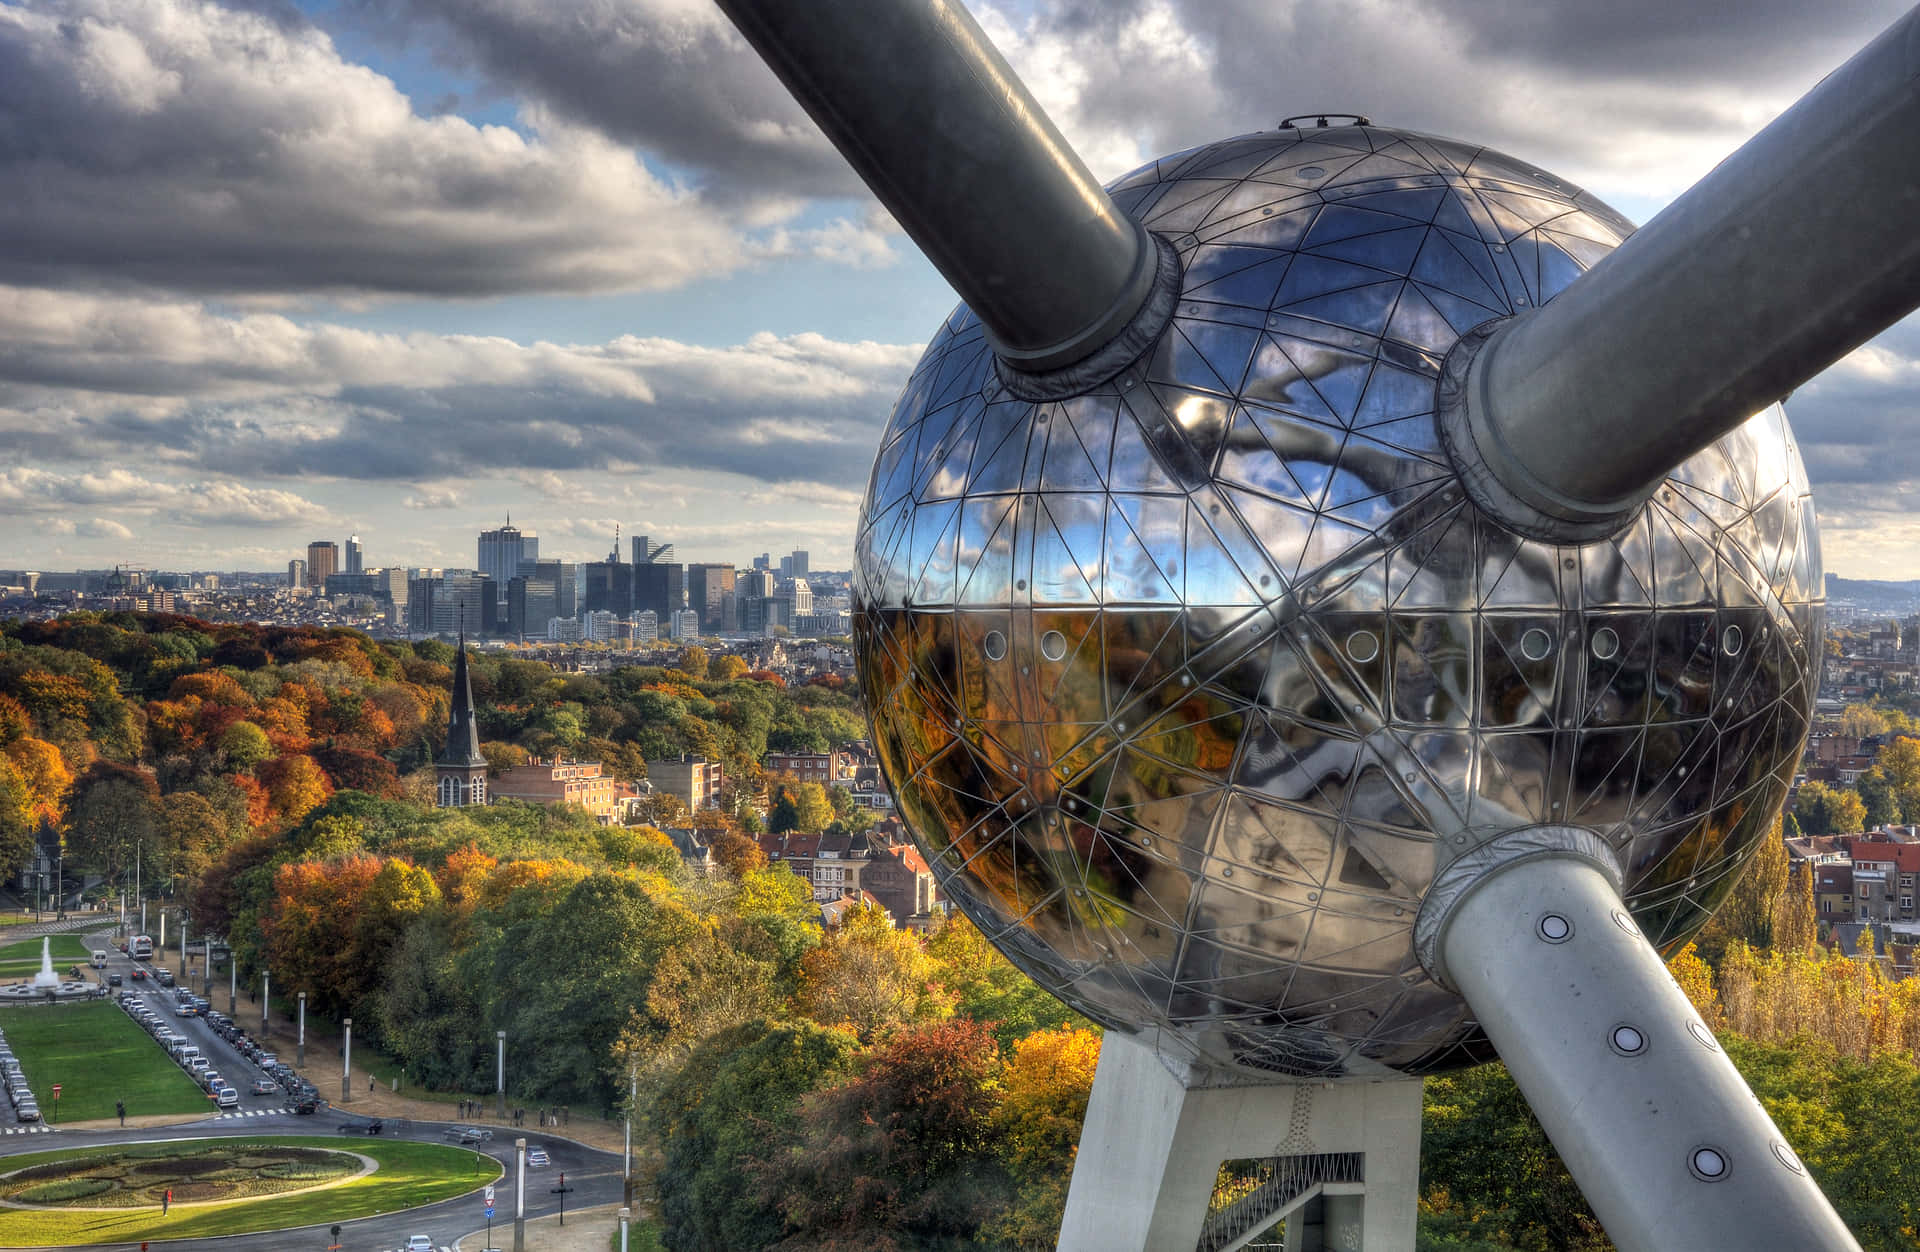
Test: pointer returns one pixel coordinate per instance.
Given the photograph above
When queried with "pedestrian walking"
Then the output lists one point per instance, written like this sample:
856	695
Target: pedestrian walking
369	1083
166	1201
120	1107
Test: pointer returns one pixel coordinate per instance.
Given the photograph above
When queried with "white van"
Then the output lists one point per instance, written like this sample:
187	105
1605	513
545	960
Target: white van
99	958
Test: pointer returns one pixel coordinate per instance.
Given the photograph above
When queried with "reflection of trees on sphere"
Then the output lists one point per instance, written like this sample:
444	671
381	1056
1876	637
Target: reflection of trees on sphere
1186	683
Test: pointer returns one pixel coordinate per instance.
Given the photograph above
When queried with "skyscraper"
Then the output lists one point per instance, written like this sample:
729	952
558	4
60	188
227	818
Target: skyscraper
353	555
502	551
323	558
659	587
794	566
642	550
531	604
710	594
296	573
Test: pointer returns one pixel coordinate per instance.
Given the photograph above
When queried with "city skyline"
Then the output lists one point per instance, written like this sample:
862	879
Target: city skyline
669	306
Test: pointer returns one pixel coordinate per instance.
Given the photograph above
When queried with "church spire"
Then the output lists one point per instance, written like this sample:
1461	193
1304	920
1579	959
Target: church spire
463	731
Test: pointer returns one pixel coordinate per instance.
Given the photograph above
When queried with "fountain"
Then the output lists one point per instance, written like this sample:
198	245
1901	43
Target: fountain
46	979
47	985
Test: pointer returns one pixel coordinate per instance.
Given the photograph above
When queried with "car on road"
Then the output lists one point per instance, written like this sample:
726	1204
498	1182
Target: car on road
139	973
265	1087
227	1098
537	1157
114	980
307	1104
373	1127
418	1243
164	977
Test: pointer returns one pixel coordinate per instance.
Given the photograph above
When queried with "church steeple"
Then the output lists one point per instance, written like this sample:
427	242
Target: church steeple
462	770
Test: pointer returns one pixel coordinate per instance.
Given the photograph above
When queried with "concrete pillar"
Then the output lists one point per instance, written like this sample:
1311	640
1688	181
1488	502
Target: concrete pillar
1157	1131
500	1071
300	1036
266	999
346	1062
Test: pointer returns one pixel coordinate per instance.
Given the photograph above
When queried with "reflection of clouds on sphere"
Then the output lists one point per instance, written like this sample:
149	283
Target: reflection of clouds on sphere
1188	686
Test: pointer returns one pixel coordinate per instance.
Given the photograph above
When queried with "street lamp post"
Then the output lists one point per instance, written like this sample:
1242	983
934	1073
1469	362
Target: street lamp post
346	1064
520	1196
625	1213
300	1039
626	1151
266	998
500	1070
233	982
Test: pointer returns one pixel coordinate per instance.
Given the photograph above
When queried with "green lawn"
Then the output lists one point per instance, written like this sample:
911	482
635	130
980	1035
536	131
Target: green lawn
98	1055
22	959
410	1174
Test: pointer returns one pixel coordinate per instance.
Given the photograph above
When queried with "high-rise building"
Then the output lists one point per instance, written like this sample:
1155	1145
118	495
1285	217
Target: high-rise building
296	573
382	584
353	554
597	626
323	558
565	577
646	627
686	624
660	587
662	553
531	604
763	561
460	602
710	593
609	587
502	551
794	566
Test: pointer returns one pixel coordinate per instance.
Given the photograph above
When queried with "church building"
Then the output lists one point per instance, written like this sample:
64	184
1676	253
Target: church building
462	770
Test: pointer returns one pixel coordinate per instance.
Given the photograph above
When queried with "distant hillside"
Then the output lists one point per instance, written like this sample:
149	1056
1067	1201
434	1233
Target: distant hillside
1871	591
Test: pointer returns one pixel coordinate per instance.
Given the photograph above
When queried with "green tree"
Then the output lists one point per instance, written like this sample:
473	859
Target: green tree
1824	810
693	660
988	988
1877	793
1749	911
870	977
721	1123
244	746
113	819
1899	761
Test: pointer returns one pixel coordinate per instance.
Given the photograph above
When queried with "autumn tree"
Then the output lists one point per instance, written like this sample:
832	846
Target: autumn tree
903	1154
1749	910
1899	761
295	784
1860	721
870	977
988	988
728	669
44	773
1043	1102
693	661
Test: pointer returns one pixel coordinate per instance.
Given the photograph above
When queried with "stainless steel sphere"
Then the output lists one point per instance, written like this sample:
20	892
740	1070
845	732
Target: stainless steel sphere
1188	686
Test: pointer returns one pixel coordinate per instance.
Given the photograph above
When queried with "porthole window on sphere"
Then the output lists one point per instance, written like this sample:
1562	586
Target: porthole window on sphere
995	645
1363	646
1535	644
1605	643
1053	645
1730	641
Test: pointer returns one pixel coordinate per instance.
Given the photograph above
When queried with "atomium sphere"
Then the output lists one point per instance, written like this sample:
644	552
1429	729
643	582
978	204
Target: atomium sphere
1188	686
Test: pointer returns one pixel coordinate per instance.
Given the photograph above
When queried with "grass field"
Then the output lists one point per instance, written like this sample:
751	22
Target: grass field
409	1174
98	1055
22	959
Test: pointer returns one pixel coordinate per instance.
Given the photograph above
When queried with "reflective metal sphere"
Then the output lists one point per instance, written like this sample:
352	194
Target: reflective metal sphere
1189	686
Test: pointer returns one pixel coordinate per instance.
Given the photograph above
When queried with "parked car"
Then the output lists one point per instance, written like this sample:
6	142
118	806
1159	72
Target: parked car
227	1098
307	1104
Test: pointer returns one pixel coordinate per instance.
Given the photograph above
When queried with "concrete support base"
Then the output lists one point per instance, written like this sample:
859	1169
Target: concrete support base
1158	1130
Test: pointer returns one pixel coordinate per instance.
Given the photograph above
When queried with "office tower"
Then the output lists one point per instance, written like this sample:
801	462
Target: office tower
323	558
660	587
642	550
710	593
609	587
802	596
503	550
531	604
662	553
296	573
646	627
799	562
686	624
763	561
353	554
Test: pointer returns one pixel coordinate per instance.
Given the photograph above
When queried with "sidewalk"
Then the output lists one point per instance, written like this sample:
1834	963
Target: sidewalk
589	1230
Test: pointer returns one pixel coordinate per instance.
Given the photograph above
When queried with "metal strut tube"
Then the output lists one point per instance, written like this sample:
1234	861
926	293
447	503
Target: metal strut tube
1795	250
1656	1125
928	114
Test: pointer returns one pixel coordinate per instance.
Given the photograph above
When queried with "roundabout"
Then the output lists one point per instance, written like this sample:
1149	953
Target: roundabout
113	1193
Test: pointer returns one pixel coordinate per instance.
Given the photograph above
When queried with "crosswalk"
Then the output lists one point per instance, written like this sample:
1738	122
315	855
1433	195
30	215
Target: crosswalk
255	1113
27	1130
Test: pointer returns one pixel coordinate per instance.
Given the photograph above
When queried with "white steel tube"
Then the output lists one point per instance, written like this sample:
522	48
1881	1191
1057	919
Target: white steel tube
1666	1141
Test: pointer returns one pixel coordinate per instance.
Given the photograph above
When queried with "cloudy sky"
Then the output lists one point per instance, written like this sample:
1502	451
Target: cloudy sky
275	271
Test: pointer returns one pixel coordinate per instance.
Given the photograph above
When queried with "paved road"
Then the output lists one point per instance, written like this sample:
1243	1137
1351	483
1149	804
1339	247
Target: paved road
594	1176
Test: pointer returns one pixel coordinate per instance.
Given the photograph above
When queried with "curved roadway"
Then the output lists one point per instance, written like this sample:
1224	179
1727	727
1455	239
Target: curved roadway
592	1175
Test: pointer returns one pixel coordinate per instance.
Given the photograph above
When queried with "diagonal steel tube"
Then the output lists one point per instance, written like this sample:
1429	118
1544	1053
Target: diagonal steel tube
932	119
1795	250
